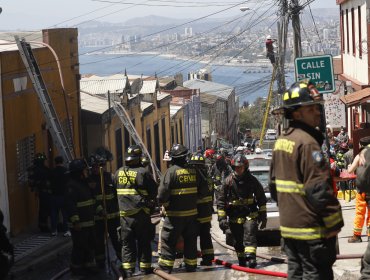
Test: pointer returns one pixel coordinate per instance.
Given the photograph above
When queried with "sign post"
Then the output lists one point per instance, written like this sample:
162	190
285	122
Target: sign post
318	69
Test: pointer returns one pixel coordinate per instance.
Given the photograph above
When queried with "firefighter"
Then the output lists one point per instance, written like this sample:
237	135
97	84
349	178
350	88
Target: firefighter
219	172
81	209
205	210
179	190
270	54
39	178
109	226
136	191
241	207
310	215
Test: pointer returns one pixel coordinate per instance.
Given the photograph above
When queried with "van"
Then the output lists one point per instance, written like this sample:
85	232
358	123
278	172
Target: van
271	134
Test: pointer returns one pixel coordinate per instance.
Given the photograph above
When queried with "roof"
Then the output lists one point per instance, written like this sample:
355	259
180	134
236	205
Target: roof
220	90
7	41
208	98
101	85
148	86
356	97
93	103
162	95
174	109
145	105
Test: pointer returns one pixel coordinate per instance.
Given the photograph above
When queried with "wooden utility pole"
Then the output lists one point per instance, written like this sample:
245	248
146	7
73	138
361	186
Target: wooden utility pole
296	24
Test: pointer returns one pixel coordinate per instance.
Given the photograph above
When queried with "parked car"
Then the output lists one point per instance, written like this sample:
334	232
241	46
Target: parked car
271	134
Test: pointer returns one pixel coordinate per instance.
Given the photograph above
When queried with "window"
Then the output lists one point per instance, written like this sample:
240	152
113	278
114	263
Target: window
163	135
353	31
359	32
25	150
149	141
176	141
347	30
180	125
119	157
156	145
172	135
127	139
132	139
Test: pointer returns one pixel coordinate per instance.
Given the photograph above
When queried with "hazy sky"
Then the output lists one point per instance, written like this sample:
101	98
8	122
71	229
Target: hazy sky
39	14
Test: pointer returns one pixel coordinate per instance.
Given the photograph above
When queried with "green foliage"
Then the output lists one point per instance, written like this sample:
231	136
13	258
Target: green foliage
252	116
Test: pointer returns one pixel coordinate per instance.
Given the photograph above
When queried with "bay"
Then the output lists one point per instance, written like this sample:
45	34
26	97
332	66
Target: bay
248	86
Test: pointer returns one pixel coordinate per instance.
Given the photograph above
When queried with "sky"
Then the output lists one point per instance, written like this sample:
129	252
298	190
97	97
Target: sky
41	14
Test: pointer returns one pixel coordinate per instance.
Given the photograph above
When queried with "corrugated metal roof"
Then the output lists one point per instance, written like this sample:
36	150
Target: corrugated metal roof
144	105
174	109
219	90
101	85
356	97
93	103
7	41
162	95
148	87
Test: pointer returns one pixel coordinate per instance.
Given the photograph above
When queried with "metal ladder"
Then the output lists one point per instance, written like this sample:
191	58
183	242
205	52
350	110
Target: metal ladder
126	121
50	115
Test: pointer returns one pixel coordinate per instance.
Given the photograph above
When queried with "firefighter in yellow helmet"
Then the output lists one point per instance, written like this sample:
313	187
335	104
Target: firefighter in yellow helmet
310	215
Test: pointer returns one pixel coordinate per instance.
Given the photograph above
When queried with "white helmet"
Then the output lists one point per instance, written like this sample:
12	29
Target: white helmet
268	37
258	150
166	156
240	148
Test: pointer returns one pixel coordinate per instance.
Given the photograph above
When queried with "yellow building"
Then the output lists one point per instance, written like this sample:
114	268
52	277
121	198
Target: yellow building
22	124
147	107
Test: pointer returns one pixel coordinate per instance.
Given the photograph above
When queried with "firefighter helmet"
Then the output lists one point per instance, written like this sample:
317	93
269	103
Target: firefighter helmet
209	153
134	150
300	93
96	159
39	157
104	153
166	156
197	159
178	151
145	161
240	160
77	165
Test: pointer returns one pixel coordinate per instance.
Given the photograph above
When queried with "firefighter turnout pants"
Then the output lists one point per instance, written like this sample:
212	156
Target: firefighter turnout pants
310	259
206	244
82	250
361	208
173	227
244	232
136	242
112	225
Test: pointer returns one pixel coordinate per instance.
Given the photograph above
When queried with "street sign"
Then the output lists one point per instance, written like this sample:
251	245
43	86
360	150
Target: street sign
318	69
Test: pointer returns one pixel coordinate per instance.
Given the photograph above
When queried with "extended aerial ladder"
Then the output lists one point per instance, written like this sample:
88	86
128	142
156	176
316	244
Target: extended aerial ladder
50	115
268	104
126	121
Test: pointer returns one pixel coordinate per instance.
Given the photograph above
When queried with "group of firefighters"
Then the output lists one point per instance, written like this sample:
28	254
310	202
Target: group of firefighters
100	204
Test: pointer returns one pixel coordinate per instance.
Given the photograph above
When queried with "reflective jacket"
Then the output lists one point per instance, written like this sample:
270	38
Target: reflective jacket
179	191
300	182
205	204
135	189
110	192
241	197
80	203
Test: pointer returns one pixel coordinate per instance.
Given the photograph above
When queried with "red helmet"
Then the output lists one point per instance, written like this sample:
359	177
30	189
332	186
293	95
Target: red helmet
209	153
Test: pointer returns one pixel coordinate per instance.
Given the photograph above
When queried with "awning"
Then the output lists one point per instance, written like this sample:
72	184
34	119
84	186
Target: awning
356	97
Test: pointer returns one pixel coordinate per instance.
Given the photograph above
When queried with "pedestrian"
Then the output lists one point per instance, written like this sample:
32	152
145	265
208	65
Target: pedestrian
105	194
362	200
205	210
136	191
241	206
310	215
178	192
342	137
58	183
81	209
39	179
348	156
6	250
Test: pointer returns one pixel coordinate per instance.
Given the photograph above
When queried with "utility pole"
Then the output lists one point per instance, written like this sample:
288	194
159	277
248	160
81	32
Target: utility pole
282	26
296	24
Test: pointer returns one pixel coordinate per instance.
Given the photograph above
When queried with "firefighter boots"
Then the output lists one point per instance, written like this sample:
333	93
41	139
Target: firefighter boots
355	239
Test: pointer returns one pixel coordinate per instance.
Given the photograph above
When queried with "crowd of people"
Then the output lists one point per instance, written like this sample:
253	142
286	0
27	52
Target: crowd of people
96	204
